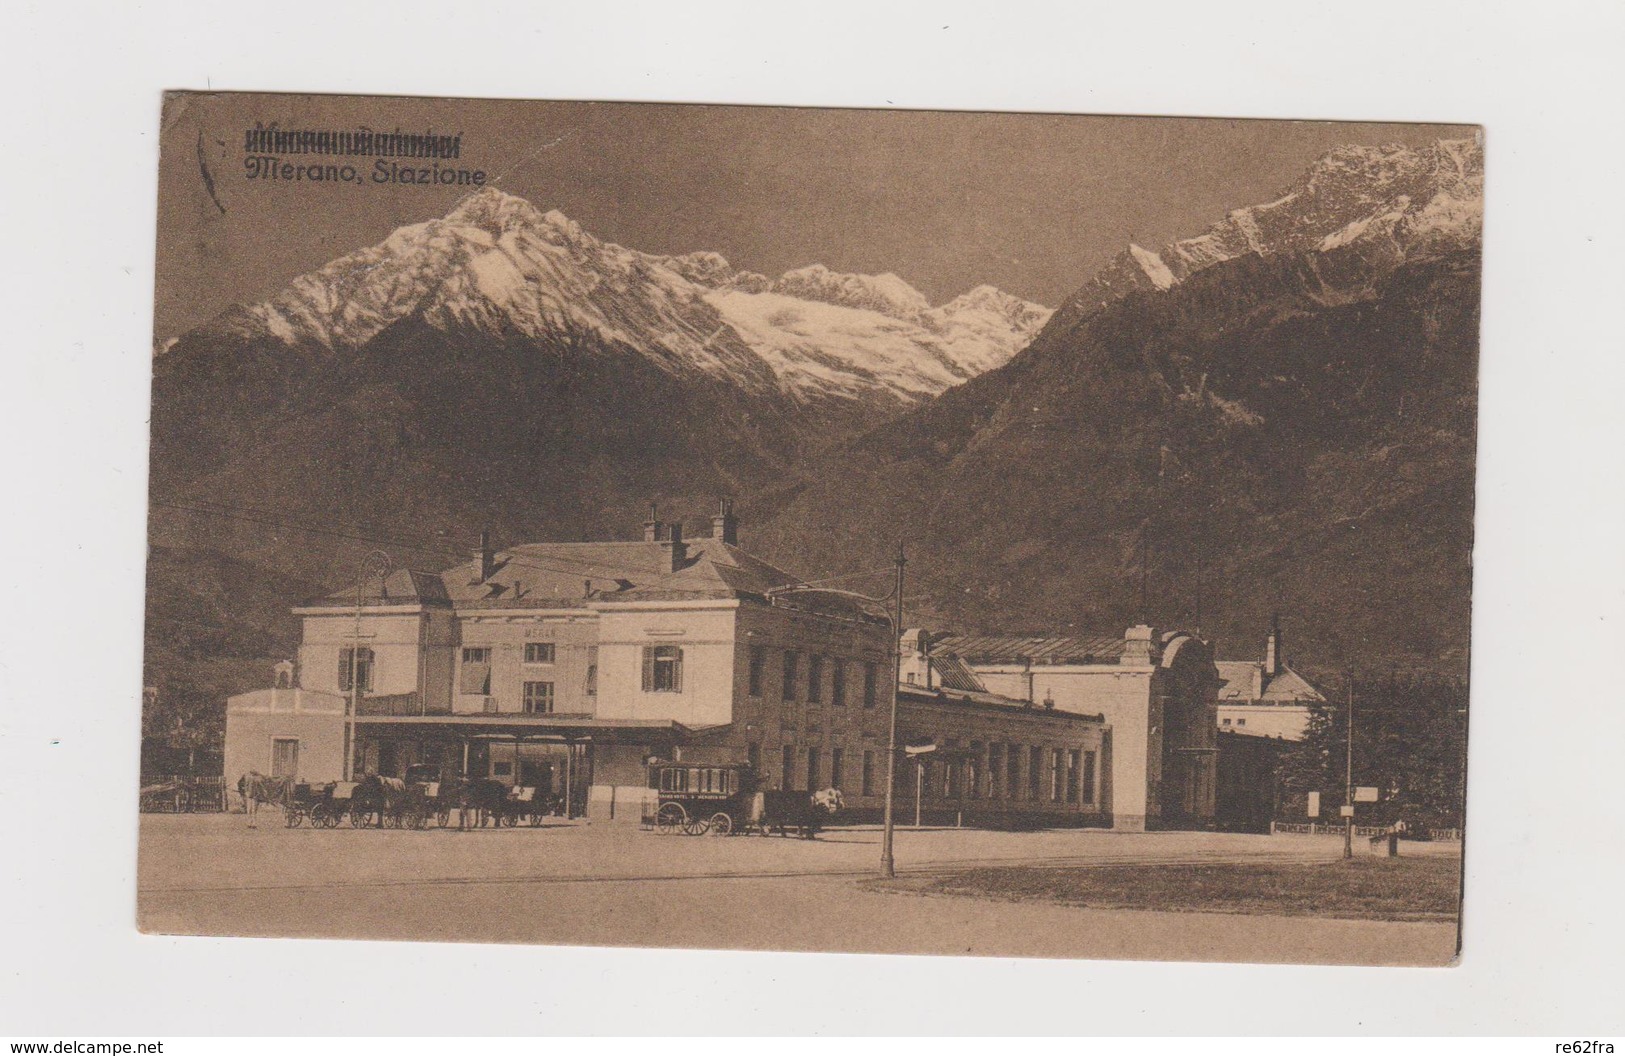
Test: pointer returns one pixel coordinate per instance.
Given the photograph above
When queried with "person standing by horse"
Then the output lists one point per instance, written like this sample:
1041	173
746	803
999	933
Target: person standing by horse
248	793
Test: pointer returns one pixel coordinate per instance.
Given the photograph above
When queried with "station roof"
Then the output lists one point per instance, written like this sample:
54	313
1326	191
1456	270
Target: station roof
575	575
994	649
913	694
517	726
1246	682
952	673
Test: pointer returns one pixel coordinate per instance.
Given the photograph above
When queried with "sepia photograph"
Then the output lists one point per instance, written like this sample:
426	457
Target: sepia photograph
695	524
796	529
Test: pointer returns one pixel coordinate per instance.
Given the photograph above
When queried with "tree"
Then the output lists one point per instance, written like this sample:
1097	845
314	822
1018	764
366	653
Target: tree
1410	742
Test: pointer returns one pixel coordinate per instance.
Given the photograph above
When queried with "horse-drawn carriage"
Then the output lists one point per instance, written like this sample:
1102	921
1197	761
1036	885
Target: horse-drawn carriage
332	804
474	801
529	804
299	804
323	805
721	800
388	803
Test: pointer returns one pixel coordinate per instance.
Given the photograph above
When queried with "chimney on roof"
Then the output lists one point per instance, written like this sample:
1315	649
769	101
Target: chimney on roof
485	555
914	647
653	530
1273	660
724	525
1139	645
672	543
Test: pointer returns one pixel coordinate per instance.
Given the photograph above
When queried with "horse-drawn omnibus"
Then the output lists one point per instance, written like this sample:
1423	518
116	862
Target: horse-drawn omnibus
722	799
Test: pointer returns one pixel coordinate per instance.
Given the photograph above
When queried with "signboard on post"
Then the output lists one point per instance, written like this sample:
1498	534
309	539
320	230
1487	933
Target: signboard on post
1345	811
1365	794
1314	804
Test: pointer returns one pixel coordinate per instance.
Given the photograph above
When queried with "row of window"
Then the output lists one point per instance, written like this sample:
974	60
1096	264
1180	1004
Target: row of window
810	776
793	687
535	653
662	673
356	667
474	676
1016	772
1013	771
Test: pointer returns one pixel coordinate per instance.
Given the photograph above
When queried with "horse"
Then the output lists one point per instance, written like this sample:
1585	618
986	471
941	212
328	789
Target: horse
254	788
484	798
803	811
377	799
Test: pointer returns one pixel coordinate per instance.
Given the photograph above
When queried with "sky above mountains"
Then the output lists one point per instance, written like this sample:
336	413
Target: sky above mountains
1033	204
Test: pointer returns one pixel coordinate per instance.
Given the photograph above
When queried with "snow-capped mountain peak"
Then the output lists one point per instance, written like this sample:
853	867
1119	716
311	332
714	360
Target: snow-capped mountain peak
884	293
498	267
1391	202
497	211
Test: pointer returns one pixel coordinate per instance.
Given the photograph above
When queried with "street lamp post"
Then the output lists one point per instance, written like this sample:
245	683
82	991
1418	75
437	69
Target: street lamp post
375	563
1348	779
888	866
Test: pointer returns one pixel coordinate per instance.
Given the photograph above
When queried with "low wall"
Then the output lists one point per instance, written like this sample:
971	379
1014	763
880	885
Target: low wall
1331	828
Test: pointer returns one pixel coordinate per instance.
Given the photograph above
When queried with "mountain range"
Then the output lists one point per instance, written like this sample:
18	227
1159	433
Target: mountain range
1278	415
1275	414
497	269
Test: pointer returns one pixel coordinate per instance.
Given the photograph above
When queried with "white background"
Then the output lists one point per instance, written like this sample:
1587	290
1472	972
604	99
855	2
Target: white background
78	131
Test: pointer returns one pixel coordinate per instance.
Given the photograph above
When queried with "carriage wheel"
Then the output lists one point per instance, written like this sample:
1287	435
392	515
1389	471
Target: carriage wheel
721	824
392	820
318	816
535	819
442	817
670	817
358	818
330	818
697	826
418	819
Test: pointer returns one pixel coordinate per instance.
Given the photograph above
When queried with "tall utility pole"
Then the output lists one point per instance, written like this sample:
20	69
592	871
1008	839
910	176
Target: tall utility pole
1348	779
888	865
376	563
895	618
1145	561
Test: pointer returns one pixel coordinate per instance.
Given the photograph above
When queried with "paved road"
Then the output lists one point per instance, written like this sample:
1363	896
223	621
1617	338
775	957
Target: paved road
578	885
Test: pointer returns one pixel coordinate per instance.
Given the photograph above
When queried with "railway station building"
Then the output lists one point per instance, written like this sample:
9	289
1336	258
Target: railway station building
574	665
1157	691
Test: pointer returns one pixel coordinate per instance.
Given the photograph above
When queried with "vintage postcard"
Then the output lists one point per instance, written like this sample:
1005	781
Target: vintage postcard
795	529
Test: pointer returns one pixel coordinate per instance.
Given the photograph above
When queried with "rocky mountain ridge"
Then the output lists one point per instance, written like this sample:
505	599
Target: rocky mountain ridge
1377	206
1278	415
500	268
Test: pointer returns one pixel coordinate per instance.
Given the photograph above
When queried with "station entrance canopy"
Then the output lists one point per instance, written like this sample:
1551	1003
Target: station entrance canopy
653	732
